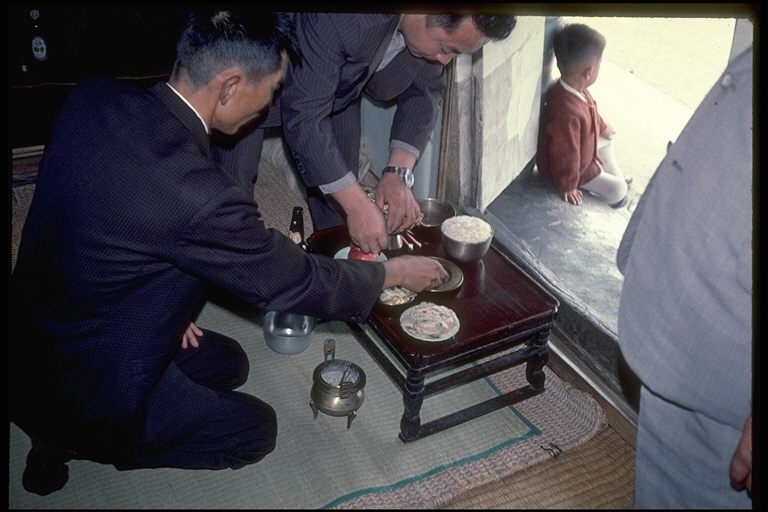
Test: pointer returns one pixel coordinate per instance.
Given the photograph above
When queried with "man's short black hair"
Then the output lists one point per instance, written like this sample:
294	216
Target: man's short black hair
218	38
493	26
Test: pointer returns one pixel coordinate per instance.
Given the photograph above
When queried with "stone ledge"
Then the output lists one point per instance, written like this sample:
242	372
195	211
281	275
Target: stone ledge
592	344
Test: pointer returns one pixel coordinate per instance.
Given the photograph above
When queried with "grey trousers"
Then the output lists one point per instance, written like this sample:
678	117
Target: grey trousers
683	458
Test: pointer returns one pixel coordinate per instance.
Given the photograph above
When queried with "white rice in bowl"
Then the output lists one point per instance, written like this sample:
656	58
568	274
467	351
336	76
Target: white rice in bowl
467	229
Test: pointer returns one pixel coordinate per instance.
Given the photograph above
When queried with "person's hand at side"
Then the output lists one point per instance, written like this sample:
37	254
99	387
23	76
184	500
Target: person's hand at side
416	273
572	196
609	132
741	464
365	221
190	336
402	211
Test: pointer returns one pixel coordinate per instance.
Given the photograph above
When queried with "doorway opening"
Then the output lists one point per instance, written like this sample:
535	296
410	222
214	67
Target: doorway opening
655	72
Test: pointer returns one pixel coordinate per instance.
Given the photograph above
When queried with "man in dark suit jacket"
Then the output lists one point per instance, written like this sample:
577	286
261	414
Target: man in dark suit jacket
387	56
130	222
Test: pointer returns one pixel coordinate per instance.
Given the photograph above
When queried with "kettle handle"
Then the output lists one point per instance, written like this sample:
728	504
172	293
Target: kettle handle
329	348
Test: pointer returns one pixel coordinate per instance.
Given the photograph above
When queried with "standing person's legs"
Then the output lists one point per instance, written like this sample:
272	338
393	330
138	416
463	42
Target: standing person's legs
683	458
239	156
325	211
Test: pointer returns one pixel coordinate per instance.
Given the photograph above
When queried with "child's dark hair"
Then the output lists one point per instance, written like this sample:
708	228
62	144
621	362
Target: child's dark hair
574	44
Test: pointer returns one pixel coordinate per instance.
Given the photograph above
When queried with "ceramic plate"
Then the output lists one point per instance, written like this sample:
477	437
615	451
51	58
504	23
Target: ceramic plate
343	253
396	296
443	311
455	273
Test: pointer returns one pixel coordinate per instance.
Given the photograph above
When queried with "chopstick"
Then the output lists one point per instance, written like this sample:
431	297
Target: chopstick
344	373
409	235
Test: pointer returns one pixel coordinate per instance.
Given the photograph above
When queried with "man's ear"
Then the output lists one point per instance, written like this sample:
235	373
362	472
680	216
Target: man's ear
229	80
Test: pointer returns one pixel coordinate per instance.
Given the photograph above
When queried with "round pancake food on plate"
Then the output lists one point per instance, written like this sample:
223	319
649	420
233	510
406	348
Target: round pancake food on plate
429	322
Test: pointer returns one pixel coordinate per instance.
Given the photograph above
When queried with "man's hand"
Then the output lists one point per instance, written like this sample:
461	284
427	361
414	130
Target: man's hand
572	196
741	464
416	273
402	211
367	228
190	336
365	221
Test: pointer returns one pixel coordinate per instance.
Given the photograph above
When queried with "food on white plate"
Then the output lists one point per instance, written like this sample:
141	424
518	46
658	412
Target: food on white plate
396	295
430	321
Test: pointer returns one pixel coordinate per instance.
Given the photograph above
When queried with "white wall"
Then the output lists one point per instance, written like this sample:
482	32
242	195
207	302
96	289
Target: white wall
376	124
505	96
508	112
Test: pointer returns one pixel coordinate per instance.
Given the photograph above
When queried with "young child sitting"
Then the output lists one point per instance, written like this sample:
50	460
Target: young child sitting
575	150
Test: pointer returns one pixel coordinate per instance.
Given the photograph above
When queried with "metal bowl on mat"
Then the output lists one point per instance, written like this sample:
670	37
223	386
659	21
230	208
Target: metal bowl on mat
287	333
466	238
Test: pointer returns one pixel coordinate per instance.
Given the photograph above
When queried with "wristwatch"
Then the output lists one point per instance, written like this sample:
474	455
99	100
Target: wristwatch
403	172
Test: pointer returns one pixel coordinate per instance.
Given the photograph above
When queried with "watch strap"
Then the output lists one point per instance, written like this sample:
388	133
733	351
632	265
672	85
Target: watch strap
403	172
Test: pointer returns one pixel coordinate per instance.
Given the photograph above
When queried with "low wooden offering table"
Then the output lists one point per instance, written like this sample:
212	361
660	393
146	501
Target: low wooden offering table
499	308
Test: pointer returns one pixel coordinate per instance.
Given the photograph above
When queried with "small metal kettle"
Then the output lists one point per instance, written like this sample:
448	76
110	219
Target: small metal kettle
337	386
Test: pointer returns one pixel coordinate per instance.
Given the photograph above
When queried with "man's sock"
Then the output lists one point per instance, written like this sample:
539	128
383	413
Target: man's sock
46	470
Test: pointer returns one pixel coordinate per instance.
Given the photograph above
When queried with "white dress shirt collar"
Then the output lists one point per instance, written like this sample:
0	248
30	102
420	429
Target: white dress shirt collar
207	130
573	91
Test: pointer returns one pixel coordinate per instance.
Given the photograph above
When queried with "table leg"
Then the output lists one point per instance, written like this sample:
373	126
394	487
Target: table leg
534	366
413	398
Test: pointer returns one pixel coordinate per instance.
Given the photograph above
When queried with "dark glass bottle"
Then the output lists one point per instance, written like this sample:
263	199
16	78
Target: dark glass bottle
296	229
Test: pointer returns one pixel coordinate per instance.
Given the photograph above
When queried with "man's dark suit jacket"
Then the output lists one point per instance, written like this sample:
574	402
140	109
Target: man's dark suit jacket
340	55
130	222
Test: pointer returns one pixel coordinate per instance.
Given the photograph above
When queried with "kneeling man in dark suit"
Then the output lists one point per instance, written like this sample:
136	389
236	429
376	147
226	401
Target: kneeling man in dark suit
130	223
